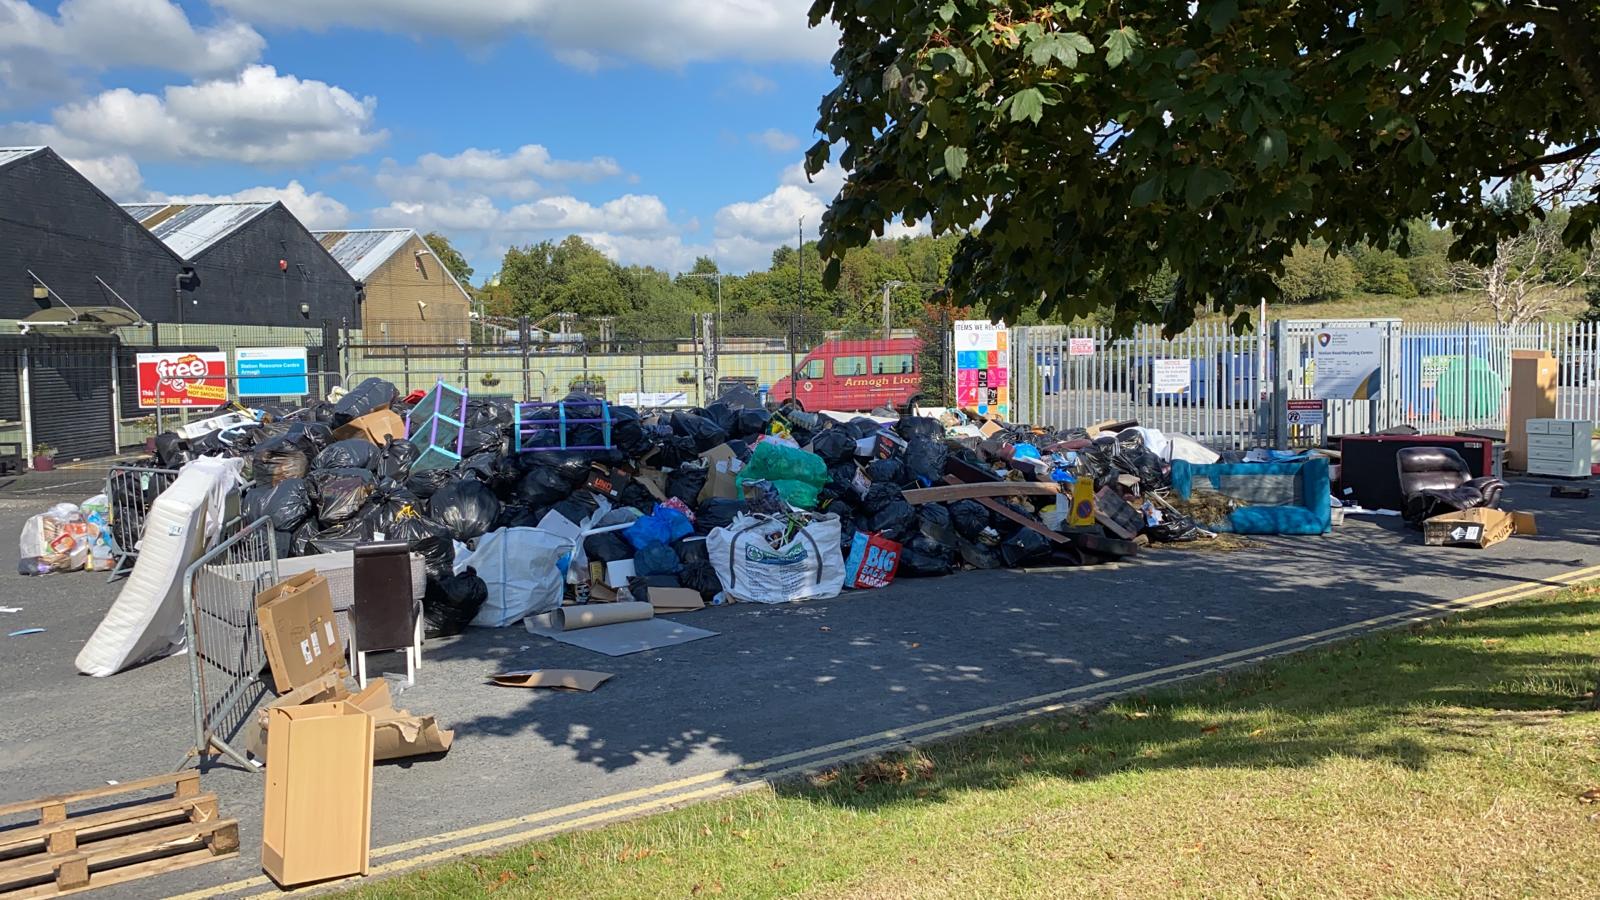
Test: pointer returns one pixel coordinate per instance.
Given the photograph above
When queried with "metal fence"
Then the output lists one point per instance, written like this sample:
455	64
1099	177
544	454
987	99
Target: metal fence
1066	376
130	491
226	657
1436	378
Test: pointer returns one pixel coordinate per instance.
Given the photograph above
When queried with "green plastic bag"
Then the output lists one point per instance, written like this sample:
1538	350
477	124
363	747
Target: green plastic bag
797	474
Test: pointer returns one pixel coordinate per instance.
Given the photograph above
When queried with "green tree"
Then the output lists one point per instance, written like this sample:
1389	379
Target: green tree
1088	143
1311	275
450	257
1383	272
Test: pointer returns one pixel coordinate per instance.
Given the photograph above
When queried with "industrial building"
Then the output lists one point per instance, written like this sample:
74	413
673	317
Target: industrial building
409	294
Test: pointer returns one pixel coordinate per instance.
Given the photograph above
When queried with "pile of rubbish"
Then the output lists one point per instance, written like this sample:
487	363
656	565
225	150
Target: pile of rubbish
516	509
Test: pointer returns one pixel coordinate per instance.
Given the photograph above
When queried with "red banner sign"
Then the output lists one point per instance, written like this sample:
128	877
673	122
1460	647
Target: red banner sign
182	379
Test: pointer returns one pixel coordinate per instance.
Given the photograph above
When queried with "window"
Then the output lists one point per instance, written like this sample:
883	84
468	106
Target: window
846	366
893	364
812	369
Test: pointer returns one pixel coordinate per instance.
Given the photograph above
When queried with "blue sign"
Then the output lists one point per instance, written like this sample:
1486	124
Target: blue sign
271	371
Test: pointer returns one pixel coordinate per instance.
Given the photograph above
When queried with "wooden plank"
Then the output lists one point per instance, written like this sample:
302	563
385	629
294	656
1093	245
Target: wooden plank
110	851
184	784
123	875
87	826
982	489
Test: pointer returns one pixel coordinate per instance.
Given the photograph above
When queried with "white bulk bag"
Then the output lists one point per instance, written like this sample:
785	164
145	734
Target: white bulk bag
520	567
809	566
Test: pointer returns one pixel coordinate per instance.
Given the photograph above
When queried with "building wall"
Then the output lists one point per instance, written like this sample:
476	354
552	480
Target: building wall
56	223
393	291
241	283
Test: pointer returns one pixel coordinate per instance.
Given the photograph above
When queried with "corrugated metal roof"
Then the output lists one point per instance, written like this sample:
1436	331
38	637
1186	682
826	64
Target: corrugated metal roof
362	251
10	155
189	228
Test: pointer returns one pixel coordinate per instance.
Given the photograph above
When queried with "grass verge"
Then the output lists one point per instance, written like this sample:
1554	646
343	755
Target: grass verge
1448	759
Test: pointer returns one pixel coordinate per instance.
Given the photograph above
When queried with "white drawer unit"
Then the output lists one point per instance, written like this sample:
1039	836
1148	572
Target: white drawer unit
1559	447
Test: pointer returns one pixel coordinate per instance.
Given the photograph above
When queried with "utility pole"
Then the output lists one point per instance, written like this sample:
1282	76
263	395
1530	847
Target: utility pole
888	288
800	263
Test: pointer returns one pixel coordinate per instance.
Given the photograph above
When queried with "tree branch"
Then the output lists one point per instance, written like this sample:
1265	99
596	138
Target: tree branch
1576	151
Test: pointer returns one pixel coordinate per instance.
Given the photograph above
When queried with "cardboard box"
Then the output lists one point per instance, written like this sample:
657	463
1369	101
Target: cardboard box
1468	528
376	426
722	473
318	819
1532	396
610	482
298	630
396	733
667	600
1524	523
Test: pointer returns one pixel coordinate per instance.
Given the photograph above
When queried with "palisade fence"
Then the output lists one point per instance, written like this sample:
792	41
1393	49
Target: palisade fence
1437	378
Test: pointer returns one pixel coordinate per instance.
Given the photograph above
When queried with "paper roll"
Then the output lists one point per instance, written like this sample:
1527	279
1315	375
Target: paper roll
572	618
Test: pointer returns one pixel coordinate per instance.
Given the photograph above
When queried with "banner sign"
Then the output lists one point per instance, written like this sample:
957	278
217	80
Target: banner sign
271	371
1170	376
182	379
983	377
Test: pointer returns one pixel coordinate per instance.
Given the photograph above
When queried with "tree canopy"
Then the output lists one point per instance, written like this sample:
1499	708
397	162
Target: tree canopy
449	256
1083	147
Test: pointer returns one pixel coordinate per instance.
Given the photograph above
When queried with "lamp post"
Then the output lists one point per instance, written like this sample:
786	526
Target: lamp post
888	288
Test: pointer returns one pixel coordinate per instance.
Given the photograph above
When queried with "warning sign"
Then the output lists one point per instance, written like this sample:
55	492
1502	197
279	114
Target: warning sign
182	379
1306	412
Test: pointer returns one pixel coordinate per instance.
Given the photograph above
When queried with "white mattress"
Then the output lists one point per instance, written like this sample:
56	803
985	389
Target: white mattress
146	620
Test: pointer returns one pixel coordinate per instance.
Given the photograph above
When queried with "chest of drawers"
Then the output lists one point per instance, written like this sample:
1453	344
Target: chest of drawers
1559	447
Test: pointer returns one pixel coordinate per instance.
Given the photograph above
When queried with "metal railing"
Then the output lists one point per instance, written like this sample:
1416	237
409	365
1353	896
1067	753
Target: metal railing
226	657
1436	378
130	491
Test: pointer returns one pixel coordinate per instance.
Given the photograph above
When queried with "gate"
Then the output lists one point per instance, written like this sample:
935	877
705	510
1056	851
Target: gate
225	653
1206	383
71	394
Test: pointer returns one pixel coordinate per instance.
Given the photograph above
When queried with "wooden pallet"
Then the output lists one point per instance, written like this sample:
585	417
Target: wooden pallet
68	851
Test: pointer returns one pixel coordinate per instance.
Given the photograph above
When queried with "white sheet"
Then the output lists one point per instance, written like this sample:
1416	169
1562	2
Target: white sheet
146	621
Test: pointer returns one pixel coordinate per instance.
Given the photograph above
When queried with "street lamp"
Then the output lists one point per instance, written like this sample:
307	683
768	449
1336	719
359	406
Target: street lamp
888	288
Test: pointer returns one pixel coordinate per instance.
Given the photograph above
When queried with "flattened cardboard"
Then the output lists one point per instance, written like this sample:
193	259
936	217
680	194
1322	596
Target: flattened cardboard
675	600
298	630
317	823
1468	528
654	481
950	492
557	679
1524	523
376	426
990	428
722	473
396	733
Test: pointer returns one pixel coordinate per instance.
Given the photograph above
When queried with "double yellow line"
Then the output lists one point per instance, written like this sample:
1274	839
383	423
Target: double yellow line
628	804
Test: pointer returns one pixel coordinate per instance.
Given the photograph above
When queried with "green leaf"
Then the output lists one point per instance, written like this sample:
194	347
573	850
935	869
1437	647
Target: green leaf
891	78
947	12
1272	149
1203	184
1148	191
1222	12
1120	45
1064	48
1027	104
955	160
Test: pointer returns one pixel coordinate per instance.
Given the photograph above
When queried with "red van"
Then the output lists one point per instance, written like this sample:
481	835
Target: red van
851	376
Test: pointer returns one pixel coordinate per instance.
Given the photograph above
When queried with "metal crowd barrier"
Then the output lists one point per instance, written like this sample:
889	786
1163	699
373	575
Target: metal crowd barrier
226	658
130	490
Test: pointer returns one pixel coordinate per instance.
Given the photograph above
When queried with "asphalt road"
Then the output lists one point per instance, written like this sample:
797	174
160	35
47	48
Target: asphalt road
775	682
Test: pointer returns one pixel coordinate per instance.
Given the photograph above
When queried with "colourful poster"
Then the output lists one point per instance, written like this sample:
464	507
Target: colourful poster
182	379
983	376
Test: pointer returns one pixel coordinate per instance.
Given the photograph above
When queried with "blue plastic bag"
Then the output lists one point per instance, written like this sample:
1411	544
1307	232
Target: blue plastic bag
663	526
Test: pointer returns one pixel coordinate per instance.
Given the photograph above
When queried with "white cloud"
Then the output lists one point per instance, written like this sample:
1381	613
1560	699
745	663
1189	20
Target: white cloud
775	140
38	49
519	175
630	214
313	208
774	218
117	175
585	34
258	117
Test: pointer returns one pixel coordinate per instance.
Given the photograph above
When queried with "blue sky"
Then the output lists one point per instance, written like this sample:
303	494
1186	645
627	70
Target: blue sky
659	129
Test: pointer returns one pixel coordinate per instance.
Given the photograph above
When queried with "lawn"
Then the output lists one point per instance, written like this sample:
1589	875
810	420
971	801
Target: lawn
1448	759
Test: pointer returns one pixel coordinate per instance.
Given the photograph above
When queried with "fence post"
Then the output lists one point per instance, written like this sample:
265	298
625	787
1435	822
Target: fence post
523	342
1466	411
794	365
641	369
708	358
1280	382
405	365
